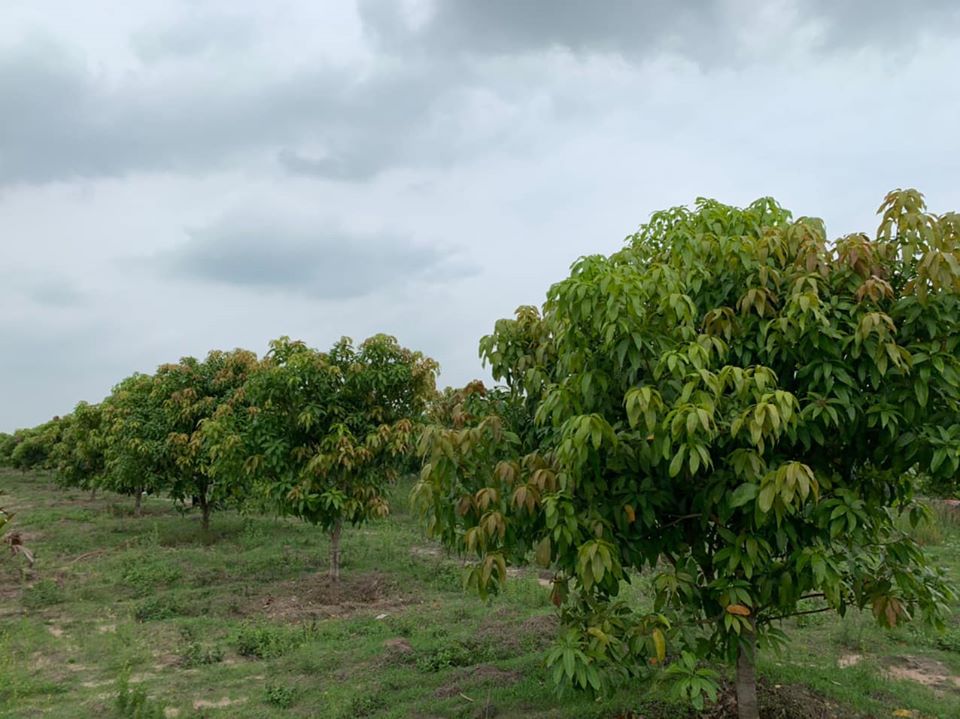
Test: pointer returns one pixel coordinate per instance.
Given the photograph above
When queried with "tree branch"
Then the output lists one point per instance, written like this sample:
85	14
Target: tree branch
682	518
767	620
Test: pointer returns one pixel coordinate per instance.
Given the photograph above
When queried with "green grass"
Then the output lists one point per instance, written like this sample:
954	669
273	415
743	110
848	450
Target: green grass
127	617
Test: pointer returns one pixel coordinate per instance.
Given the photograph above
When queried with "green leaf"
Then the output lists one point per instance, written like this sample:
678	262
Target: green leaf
766	497
746	492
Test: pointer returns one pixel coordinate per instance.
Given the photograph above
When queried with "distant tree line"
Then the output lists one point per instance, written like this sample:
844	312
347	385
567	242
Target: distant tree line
316	435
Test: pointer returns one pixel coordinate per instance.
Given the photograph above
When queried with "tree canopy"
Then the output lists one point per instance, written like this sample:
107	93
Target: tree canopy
191	393
323	433
736	406
79	456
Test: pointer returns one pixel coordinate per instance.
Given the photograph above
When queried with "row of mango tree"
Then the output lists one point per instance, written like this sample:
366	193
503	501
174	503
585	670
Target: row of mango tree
317	435
731	404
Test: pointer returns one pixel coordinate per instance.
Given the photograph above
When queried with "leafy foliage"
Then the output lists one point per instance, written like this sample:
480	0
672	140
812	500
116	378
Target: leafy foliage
79	456
325	432
191	392
737	406
7	444
134	438
135	703
150	433
32	448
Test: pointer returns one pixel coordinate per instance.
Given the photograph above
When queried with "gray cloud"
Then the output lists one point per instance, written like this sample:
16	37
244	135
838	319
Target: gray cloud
63	122
713	32
321	262
510	27
853	24
53	290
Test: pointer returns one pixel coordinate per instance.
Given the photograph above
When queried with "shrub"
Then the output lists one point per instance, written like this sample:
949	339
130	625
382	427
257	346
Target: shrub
134	703
263	641
281	696
157	608
44	593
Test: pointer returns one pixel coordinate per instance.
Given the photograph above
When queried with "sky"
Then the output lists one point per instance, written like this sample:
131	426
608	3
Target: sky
178	176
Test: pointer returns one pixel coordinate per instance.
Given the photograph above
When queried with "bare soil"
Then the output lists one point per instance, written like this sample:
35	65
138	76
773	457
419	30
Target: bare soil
314	596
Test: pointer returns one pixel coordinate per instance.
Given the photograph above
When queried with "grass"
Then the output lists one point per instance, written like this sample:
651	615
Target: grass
127	617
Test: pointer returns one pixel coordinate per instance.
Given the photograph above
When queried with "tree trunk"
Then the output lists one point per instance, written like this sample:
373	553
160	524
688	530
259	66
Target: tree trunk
747	707
205	510
136	507
93	494
335	551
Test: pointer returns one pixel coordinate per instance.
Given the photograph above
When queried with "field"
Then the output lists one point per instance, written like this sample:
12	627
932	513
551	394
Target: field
141	617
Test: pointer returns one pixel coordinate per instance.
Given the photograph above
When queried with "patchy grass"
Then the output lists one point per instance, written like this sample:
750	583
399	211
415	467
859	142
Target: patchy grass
147	617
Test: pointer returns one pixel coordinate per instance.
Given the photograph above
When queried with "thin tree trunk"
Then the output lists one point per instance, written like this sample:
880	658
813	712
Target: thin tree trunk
335	551
747	707
205	510
93	494
137	505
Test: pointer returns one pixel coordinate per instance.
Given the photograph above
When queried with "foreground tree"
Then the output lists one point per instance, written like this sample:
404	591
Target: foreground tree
738	407
325	432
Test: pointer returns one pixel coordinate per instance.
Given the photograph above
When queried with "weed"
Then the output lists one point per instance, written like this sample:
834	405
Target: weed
195	654
450	655
263	641
135	704
402	626
363	705
849	634
281	696
44	593
157	608
949	640
144	574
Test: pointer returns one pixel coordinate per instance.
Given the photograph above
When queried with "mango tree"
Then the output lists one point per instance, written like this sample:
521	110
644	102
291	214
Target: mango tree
325	432
736	406
190	393
79	456
7	444
33	448
135	439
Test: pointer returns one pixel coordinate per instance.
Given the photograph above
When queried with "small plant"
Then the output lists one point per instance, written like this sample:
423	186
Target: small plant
262	641
692	683
134	703
145	574
451	655
195	654
363	705
281	696
157	608
949	640
403	626
850	634
44	593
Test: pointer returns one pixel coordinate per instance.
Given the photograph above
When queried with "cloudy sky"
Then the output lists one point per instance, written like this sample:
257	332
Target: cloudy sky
182	175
